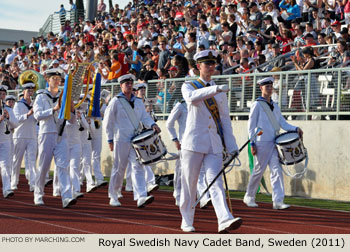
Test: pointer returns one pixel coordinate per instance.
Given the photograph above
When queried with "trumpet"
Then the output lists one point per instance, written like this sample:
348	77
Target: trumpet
3	112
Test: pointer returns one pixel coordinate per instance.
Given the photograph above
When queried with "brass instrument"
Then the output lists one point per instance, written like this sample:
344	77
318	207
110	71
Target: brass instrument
34	77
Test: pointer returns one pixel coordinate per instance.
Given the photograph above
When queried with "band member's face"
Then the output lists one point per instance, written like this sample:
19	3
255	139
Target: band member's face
29	92
127	87
10	103
266	90
55	80
207	67
141	92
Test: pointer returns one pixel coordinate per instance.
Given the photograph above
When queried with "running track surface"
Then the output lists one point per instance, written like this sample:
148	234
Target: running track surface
93	215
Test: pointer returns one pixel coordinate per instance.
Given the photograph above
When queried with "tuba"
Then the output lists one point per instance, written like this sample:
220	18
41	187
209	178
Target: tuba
34	77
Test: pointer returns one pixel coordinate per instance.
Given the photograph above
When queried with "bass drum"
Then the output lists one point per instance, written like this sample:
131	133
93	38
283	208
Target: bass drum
148	146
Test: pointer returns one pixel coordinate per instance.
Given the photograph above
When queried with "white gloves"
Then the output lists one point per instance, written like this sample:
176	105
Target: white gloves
222	88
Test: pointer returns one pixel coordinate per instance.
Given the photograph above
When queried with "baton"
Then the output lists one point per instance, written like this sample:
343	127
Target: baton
258	132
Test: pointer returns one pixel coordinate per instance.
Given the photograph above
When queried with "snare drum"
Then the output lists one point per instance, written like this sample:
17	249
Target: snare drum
148	146
290	148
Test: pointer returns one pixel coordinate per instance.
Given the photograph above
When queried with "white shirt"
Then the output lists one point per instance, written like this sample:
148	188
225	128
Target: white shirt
201	134
43	112
27	125
179	114
12	123
117	123
258	118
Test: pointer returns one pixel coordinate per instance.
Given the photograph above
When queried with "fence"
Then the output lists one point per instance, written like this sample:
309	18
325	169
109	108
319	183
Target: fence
302	95
54	21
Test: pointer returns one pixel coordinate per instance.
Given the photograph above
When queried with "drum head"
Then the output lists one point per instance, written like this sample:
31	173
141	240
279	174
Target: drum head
142	136
287	138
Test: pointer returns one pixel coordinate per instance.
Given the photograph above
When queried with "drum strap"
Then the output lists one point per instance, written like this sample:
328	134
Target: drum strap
213	108
131	113
271	117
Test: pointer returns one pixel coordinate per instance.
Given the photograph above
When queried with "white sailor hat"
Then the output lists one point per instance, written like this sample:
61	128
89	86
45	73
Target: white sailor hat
87	97
28	85
126	77
138	86
53	72
265	81
206	56
3	88
10	97
21	94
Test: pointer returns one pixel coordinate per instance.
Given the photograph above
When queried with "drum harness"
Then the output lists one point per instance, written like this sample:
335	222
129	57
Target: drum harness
275	124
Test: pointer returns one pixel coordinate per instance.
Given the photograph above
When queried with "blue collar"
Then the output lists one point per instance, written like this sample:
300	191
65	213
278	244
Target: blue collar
260	98
132	99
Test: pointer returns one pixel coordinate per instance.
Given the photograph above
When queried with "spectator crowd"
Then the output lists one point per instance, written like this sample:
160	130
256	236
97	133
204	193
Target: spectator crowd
155	39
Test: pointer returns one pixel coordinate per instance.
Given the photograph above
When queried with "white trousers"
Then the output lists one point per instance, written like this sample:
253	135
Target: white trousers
5	162
96	143
266	155
192	163
86	169
50	147
74	169
128	176
201	185
123	154
28	147
149	176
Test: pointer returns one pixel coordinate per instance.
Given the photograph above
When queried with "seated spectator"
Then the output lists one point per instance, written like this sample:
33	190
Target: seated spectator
115	70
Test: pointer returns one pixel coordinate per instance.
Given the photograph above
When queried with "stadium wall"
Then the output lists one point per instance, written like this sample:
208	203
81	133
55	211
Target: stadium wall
328	173
8	37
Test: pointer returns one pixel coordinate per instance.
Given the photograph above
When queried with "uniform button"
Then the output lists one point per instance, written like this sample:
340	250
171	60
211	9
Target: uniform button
209	127
209	117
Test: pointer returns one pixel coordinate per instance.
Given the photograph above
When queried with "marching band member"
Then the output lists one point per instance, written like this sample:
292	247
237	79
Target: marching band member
179	114
10	101
149	174
96	147
122	120
25	138
86	149
207	133
263	148
51	145
7	121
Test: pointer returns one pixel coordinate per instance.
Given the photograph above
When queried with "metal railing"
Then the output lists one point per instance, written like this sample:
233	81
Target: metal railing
301	95
54	21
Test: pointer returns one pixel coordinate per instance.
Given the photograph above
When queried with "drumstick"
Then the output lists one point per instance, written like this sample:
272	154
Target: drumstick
258	132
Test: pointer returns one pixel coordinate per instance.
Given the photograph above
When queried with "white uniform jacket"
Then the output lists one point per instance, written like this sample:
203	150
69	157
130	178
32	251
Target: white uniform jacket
117	123
43	112
200	123
258	118
12	123
27	125
179	114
